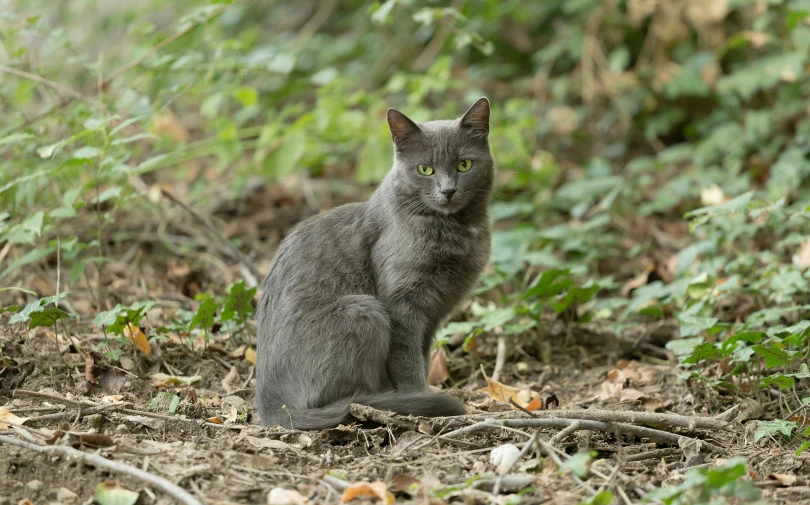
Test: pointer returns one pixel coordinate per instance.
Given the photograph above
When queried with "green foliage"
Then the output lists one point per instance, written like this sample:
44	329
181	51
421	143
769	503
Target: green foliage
703	486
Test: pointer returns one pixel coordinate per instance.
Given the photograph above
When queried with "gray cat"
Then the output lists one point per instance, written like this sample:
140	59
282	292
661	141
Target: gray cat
355	295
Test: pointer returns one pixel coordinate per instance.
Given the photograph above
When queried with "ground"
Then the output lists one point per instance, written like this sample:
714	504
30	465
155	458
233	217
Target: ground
212	445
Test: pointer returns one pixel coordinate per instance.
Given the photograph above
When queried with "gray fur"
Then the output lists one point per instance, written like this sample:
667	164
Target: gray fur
355	295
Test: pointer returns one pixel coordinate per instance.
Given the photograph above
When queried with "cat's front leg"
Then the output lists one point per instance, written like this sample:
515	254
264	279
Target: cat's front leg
407	364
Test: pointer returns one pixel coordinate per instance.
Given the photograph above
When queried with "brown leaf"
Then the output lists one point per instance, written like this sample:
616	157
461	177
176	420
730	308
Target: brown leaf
281	496
90	369
526	398
632	395
637	281
551	400
96	440
269	443
238	352
404	483
373	489
137	337
7	415
161	380
786	479
438	373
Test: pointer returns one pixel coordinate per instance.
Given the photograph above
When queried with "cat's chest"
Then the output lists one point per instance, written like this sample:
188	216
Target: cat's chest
435	264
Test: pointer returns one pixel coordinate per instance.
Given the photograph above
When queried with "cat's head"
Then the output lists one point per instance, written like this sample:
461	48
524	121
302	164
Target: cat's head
445	165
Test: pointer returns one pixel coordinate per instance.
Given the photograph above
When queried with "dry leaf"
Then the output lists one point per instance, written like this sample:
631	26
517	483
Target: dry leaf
632	395
269	443
215	420
162	380
105	400
90	369
250	355
404	483
373	489
504	457
524	397
166	123
137	337
786	479
610	390
231	381
438	367
281	496
713	195
7	415
238	352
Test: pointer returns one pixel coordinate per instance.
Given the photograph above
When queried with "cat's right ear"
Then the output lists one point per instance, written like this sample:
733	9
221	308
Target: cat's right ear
403	130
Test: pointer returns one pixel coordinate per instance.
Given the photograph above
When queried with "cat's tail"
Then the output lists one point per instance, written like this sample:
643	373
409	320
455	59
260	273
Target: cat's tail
423	404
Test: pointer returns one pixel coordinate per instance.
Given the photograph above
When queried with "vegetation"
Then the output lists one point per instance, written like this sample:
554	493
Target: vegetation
653	170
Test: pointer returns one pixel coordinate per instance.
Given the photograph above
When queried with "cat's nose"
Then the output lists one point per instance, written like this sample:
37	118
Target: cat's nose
448	193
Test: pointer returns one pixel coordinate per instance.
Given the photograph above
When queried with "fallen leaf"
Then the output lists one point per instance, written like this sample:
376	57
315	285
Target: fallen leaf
231	381
786	479
137	337
610	390
504	457
162	380
95	440
269	443
632	395
250	355
281	496
238	352
438	373
149	422
373	489
713	195
404	483
215	420
526	398
297	440
90	369
110	493
7	415
551	400
106	400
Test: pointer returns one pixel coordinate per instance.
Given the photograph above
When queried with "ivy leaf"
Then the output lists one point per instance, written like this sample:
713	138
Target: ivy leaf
239	303
204	318
704	352
578	464
769	428
773	355
783	382
47	317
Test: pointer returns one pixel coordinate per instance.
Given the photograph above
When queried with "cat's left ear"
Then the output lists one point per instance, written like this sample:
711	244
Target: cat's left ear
403	130
477	117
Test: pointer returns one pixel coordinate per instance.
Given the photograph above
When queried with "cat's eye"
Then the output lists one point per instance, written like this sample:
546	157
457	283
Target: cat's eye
464	166
424	169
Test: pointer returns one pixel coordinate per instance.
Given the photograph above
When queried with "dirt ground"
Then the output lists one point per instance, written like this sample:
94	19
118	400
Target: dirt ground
213	446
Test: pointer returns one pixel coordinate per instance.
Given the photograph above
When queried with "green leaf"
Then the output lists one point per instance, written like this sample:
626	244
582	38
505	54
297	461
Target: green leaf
47	317
773	355
86	153
577	464
783	382
601	498
768	428
204	318
704	352
284	160
23	315
805	445
15	137
110	493
239	303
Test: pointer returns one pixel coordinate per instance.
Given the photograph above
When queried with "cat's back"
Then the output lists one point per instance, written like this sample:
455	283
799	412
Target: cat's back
325	253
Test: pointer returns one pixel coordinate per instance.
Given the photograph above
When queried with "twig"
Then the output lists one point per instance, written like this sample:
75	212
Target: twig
58	399
235	252
655	454
500	359
164	485
76	413
366	413
553	455
509	483
38	78
435	45
314	24
624	429
521	407
610	416
559	437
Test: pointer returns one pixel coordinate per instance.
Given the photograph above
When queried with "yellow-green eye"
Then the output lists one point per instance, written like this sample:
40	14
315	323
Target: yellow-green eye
464	166
424	169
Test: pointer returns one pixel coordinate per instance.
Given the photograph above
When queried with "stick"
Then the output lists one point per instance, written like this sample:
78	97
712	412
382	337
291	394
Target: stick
59	399
366	413
500	359
559	437
72	413
655	454
174	491
235	252
611	416
625	429
38	78
521	408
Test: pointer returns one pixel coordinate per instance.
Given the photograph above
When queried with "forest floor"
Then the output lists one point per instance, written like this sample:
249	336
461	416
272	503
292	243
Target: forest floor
203	433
